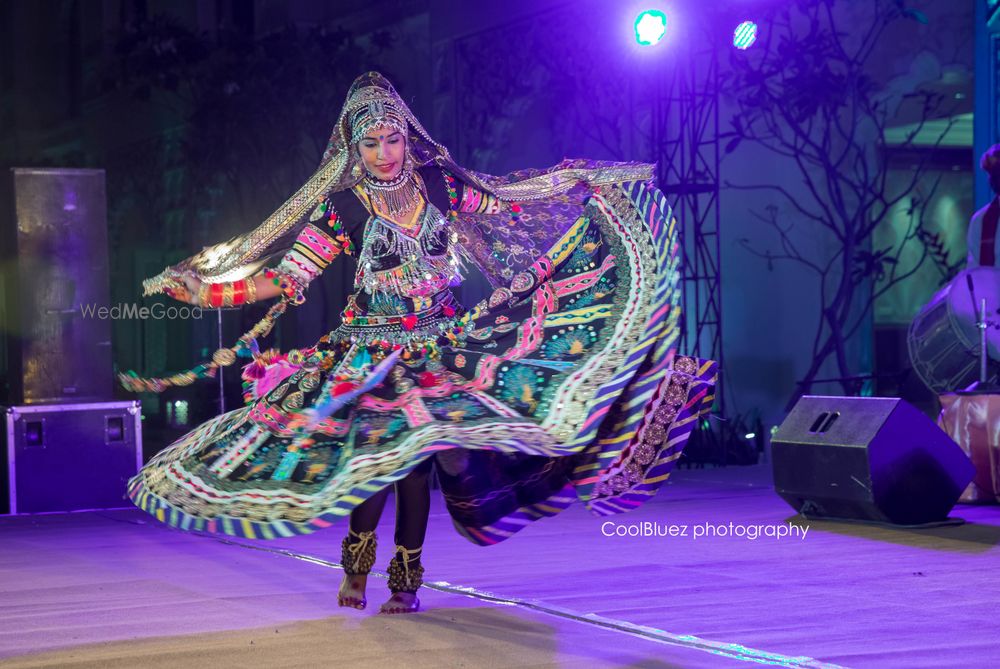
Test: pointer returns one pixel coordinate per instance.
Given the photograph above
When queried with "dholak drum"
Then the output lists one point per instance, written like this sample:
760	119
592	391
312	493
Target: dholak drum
943	339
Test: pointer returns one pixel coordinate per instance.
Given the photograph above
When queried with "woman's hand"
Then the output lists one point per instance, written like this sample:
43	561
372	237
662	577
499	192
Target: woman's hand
185	289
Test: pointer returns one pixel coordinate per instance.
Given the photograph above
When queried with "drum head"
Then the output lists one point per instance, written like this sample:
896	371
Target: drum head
965	314
943	339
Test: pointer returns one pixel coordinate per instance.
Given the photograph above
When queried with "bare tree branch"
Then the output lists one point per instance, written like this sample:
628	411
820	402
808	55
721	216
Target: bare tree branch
807	99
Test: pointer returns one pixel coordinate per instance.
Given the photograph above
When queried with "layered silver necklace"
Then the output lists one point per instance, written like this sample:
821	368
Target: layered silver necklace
395	196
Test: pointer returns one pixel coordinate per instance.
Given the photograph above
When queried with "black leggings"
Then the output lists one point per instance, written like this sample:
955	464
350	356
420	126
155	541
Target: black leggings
413	505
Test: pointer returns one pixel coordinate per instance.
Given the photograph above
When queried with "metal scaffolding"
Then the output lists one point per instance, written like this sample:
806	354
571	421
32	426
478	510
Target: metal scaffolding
685	138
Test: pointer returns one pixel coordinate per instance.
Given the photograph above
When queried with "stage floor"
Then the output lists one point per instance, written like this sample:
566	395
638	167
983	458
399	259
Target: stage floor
117	589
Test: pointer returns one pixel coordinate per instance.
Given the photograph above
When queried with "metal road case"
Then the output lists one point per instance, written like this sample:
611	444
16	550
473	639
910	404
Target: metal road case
65	457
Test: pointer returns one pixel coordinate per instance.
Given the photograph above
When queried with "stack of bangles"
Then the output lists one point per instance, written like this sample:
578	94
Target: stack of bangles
229	294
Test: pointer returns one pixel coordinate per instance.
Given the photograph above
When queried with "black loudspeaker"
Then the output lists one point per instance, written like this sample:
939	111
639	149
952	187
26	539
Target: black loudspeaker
867	458
54	345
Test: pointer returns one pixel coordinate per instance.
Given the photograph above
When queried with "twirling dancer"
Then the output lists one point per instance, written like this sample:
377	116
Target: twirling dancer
562	385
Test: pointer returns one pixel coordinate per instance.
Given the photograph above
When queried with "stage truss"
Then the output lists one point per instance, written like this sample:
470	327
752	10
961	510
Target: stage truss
684	129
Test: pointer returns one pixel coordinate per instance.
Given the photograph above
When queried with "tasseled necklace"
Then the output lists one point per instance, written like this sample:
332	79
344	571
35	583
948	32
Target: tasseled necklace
395	196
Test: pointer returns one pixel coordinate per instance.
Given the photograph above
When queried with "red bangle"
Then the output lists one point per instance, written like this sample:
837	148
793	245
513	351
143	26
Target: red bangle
215	295
239	293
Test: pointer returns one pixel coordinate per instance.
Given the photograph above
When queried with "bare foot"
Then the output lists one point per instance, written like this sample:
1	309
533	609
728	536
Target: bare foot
352	591
401	602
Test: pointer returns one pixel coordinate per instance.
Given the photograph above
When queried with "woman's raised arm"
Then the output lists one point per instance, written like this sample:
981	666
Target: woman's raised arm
312	251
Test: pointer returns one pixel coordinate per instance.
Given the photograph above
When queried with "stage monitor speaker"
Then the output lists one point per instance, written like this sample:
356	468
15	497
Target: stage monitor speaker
867	458
53	270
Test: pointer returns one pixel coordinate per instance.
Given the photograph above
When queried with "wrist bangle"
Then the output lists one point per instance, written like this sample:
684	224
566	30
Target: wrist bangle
202	297
251	290
228	293
215	295
239	292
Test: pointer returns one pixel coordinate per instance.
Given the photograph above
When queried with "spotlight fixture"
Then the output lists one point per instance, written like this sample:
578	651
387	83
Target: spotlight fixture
650	27
745	35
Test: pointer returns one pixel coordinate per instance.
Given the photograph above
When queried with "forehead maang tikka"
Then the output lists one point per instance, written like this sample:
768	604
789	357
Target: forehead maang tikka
374	114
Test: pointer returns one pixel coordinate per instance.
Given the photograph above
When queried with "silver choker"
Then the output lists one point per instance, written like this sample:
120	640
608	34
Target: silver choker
395	196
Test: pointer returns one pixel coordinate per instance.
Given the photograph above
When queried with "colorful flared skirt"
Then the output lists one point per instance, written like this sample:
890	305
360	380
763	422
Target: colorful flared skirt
565	387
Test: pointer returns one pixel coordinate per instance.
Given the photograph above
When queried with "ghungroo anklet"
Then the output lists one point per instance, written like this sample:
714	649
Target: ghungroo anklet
358	556
405	573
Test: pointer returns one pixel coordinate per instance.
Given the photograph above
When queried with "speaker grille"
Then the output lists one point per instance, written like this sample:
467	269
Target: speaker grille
58	268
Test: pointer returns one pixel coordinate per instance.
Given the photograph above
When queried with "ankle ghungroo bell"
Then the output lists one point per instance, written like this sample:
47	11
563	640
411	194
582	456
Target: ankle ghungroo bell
358	556
406	574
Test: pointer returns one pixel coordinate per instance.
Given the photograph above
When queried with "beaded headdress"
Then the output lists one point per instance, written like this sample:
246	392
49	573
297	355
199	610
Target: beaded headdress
375	114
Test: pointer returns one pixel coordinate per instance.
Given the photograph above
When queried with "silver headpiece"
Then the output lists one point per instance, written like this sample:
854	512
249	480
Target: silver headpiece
375	114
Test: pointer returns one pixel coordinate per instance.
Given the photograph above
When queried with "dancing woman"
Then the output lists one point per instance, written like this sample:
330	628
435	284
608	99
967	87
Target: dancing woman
562	385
